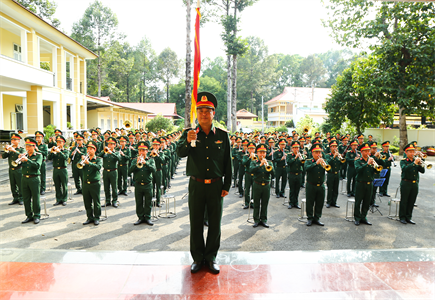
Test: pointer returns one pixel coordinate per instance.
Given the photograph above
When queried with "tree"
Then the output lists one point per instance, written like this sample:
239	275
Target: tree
312	69
158	123
334	63
95	30
168	65
402	38
43	8
145	64
289	65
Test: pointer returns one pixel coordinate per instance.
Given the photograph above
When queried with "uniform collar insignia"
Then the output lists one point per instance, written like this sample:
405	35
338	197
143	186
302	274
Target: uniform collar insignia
218	142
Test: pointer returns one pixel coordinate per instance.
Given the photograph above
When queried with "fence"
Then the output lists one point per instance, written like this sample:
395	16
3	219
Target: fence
424	137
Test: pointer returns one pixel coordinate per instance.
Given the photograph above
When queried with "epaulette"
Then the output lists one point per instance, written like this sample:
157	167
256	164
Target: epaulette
38	152
224	130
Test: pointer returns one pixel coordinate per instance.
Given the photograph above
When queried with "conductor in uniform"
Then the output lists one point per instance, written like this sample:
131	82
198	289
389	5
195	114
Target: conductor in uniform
209	168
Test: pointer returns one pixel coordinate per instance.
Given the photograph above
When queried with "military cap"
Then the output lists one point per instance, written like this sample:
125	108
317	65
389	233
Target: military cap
251	145
295	144
75	133
282	141
206	99
123	138
94	131
316	147
39	133
409	146
354	142
238	139
361	136
98	128
333	143
131	135
107	132
60	137
156	141
386	143
111	140
345	138
261	147
92	144
270	140
364	146
370	135
374	145
302	139
30	141
57	131
414	142
116	128
142	145
20	131
80	137
245	142
233	137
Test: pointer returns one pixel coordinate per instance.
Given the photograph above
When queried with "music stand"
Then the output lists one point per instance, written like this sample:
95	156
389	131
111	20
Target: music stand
377	183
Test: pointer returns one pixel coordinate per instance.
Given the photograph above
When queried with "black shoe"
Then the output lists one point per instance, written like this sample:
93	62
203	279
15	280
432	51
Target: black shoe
328	205
172	177
138	222
353	195
246	207
195	267
240	195
233	186
403	222
290	206
21	203
57	203
365	222
264	224
27	220
115	204
13	202
297	206
277	195
105	204
318	223
356	223
148	222
213	267
119	193
169	186
206	223
410	222
78	193
159	205
349	195
386	195
42	193
64	203
88	222
36	221
255	225
415	205
303	186
309	222
375	205
335	205
282	196
96	222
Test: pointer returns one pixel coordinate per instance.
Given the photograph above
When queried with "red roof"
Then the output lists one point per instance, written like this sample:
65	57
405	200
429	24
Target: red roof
243	113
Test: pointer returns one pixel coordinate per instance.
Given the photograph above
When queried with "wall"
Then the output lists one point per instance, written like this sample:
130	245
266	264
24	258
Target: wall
423	137
93	119
8	107
7	40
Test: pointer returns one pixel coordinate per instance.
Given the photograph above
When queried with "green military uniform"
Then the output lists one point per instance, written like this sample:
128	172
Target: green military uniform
294	167
280	171
364	186
15	172
43	149
269	157
246	162
351	174
157	179
110	175
315	190
408	186
123	167
343	169
92	186
143	178
383	190
76	157
261	179
166	167
333	177
380	162
242	170
60	173
31	183
207	163
234	156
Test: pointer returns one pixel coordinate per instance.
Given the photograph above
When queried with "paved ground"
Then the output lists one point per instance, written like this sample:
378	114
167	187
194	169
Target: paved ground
64	229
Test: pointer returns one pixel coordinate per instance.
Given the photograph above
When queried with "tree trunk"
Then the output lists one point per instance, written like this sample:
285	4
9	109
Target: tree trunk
188	81
234	95
402	129
167	92
99	63
229	93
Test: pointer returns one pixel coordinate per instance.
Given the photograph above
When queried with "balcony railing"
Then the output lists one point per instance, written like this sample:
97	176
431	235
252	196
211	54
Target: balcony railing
69	84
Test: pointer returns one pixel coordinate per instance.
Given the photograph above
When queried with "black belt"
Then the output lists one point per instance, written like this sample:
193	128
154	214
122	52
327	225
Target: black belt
60	168
19	167
369	182
315	184
30	176
159	170
262	183
91	182
206	181
110	170
413	181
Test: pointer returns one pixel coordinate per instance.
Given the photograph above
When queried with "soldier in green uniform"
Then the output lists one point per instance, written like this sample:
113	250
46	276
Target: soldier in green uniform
342	149
279	158
351	174
110	172
269	157
333	175
246	163
304	152
364	184
377	157
125	156
159	159
295	164
143	169
261	171
240	156
53	139
234	154
30	183
315	185
43	149
11	153
76	154
166	165
207	163
383	191
360	140
59	155
91	183
409	183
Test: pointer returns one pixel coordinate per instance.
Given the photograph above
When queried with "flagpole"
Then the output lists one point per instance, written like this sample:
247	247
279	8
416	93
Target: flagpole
198	4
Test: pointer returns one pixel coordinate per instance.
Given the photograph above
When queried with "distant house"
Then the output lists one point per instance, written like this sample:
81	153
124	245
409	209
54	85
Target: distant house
245	119
167	110
295	103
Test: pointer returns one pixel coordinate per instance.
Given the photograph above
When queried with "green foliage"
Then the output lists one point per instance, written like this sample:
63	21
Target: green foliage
43	8
159	122
307	122
44	65
168	66
48	132
313	70
68	125
290	124
282	128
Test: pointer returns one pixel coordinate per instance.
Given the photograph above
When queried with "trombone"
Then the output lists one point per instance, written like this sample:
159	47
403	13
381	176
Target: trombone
15	163
81	164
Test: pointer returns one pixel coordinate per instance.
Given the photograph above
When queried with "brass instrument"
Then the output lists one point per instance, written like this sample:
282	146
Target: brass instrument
306	130
140	162
302	157
127	124
53	149
15	163
266	163
254	158
7	147
106	150
376	166
341	158
154	154
421	155
324	164
424	164
81	164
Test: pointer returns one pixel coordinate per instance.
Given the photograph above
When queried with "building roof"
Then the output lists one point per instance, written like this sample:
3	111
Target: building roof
165	109
105	102
243	113
301	94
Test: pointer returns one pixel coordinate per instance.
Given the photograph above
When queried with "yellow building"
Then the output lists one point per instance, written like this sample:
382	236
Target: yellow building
42	73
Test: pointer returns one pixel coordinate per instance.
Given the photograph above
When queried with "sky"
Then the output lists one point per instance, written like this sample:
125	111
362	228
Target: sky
286	26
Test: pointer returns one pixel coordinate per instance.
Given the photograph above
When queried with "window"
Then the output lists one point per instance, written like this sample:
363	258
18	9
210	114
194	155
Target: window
271	110
102	124
17	52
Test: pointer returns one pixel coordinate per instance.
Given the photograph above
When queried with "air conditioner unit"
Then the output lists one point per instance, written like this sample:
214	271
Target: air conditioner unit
18	108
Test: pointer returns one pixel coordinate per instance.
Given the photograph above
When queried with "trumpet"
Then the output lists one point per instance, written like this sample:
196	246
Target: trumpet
15	163
266	164
106	150
7	147
376	166
421	155
424	164
324	164
302	157
140	162
54	149
81	164
154	154
254	157
341	158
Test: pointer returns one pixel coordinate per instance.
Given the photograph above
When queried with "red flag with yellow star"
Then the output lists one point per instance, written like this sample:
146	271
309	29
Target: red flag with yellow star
196	70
